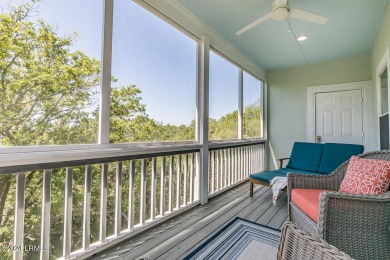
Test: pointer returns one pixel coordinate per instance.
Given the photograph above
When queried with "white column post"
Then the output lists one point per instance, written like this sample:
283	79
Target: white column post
240	104
105	74
203	117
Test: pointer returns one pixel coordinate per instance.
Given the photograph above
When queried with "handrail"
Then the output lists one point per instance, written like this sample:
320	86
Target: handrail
18	159
222	144
31	161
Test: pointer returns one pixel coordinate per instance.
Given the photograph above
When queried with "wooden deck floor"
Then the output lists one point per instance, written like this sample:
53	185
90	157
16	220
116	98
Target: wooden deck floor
181	234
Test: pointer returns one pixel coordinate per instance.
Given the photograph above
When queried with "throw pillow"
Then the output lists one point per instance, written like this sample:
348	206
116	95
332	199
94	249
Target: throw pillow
366	176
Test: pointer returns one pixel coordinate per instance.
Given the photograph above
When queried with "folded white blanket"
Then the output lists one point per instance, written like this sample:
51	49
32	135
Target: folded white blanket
277	184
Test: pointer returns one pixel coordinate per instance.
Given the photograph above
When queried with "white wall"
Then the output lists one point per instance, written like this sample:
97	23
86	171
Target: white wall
287	98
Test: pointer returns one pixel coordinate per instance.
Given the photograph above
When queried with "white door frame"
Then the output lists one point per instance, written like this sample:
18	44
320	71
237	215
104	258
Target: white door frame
365	87
384	63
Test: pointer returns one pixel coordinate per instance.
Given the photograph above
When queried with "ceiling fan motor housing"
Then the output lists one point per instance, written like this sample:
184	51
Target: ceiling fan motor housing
279	12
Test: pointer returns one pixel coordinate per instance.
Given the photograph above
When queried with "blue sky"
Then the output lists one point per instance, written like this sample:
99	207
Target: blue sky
151	54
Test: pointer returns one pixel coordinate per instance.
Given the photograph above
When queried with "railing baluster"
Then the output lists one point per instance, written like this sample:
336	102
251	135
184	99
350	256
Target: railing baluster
185	179
232	166
244	157
212	165
87	207
118	199
258	158
239	164
19	214
217	169
263	157
192	178
131	195
221	169
162	187
210	173
248	163
235	164
153	191
255	160
45	222
68	213
232	181
242	162
170	202
103	204
228	167
178	179
248	158
197	178
225	168
143	193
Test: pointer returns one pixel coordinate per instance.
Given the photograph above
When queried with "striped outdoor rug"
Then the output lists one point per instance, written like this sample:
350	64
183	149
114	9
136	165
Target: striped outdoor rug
240	239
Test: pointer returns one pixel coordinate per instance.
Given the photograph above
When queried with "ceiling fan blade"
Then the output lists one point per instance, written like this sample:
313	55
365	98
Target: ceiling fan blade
255	23
280	2
306	16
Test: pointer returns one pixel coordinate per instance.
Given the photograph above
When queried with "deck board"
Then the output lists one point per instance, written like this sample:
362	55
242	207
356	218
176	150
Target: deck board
178	236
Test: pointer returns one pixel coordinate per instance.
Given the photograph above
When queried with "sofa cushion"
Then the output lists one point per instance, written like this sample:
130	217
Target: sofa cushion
287	170
306	156
266	176
366	176
335	154
307	200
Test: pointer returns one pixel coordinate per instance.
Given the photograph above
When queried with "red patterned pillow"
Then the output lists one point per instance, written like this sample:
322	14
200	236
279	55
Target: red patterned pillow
366	176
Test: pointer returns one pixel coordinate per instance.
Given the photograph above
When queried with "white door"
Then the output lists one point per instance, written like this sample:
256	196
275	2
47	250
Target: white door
339	117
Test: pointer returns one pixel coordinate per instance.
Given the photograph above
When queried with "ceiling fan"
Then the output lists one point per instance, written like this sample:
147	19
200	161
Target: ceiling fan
280	11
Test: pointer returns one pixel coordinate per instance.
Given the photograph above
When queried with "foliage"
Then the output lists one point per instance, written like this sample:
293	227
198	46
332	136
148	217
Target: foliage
252	120
45	88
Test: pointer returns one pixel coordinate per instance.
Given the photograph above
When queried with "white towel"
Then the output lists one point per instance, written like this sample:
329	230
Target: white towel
277	184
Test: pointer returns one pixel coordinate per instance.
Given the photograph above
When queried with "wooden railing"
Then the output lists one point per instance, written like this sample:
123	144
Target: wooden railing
232	164
113	197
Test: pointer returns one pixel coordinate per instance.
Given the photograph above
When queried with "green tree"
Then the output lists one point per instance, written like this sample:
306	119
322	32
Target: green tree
45	91
252	120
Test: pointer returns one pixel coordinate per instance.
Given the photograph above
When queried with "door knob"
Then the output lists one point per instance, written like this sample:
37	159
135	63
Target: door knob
318	139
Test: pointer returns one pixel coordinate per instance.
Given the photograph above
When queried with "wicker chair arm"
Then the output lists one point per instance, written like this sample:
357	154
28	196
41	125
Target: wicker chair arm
306	181
339	212
296	243
330	181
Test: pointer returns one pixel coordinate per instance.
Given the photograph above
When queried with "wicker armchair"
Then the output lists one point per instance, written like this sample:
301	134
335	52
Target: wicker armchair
297	244
356	224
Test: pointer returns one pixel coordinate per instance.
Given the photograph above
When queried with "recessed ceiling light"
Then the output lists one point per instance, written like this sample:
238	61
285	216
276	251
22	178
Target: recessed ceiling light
301	38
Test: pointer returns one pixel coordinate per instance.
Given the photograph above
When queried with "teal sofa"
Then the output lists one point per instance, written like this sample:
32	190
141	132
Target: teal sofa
309	158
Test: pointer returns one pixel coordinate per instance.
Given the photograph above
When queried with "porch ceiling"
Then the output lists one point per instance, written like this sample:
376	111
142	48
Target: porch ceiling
350	31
